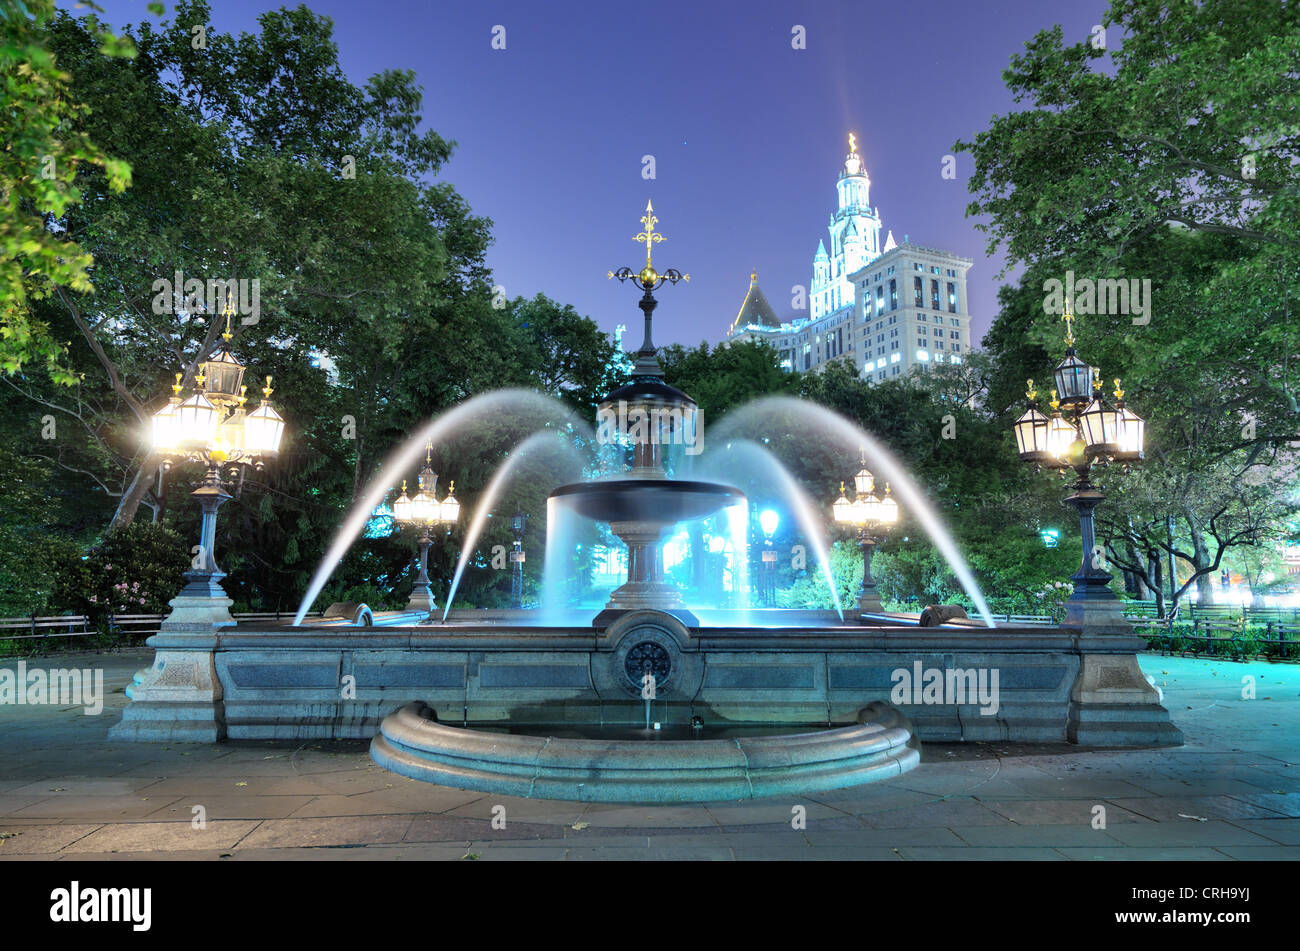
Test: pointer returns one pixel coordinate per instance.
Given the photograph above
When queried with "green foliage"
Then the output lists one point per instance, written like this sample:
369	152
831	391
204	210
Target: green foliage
810	590
44	155
136	571
727	376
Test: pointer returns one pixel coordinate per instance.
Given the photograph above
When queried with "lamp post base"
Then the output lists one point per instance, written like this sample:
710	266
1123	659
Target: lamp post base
870	603
1094	609
202	613
868	597
422	599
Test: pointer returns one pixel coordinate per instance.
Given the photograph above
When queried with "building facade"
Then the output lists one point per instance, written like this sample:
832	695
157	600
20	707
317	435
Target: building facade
884	308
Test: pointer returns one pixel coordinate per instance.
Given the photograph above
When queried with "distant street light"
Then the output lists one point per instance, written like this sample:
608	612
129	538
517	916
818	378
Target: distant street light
517	525
872	515
423	511
768	520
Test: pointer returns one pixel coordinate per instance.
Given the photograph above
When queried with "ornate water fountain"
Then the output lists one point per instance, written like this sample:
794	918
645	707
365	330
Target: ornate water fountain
644	701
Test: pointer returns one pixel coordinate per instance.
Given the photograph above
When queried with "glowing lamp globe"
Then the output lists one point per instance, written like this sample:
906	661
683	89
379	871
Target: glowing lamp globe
864	482
263	430
402	506
1031	435
164	427
1131	435
888	508
196	422
1100	423
842	508
1060	434
449	509
424	507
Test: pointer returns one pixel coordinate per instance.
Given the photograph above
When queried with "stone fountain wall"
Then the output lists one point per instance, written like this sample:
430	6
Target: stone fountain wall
266	682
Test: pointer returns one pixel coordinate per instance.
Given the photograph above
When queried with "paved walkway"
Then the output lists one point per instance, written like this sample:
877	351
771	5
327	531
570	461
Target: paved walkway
1233	792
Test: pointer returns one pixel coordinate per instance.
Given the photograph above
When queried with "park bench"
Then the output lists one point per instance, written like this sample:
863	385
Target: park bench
138	624
1273	615
27	628
271	615
1283	637
1215	611
1147	610
1218	634
1031	620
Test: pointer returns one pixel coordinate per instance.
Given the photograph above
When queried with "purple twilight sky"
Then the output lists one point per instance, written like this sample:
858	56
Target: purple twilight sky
747	133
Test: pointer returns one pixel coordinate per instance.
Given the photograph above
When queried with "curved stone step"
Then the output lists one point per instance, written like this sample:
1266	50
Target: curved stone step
413	744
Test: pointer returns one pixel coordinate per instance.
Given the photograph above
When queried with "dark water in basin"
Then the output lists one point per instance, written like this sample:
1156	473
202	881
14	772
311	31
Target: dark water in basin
666	731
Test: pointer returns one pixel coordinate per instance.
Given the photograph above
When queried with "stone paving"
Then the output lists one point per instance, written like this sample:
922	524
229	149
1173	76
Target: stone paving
1232	793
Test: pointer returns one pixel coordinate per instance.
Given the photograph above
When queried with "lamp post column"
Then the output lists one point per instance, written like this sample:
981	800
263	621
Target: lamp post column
422	592
202	603
868	597
1092	604
203	580
769	574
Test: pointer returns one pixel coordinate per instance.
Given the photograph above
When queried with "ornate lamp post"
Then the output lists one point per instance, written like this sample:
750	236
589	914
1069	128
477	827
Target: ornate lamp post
211	426
517	525
1083	430
873	516
422	512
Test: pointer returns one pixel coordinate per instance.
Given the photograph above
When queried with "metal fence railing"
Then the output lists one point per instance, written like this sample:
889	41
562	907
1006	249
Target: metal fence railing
136	625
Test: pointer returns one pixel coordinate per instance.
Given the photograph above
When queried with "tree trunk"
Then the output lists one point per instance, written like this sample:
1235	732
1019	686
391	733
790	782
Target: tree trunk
129	503
1159	589
1200	560
1173	565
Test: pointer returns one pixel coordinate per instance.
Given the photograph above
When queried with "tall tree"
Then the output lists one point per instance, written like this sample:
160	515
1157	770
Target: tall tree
40	164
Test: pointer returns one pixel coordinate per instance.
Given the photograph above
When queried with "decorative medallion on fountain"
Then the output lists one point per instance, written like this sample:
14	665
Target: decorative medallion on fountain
647	659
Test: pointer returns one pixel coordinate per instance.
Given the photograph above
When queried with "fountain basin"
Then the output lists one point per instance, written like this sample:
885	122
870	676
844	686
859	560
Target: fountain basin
412	743
657	501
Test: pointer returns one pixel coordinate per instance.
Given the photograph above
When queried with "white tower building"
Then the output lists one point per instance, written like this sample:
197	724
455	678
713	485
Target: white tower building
855	238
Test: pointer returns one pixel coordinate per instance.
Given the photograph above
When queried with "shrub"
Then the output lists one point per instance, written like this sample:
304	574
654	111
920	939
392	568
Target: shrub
134	571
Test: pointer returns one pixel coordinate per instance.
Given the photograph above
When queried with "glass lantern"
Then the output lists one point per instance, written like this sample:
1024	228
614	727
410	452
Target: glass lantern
1131	435
1073	380
888	508
449	509
842	507
424	507
864	482
1100	424
263	430
1060	434
195	423
165	427
402	506
224	374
